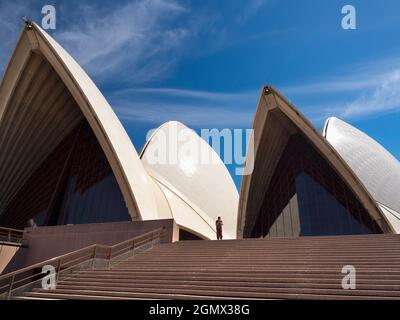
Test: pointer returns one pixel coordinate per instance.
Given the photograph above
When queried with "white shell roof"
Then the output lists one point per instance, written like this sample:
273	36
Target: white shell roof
136	186
124	152
194	194
191	169
377	168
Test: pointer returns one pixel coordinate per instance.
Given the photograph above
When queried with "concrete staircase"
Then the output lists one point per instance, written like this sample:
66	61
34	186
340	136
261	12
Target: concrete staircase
297	268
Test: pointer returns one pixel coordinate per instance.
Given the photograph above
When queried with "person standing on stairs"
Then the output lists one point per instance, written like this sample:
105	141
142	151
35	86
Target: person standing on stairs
218	225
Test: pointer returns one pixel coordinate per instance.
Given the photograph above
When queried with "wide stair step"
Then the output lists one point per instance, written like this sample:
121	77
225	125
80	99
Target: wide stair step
280	268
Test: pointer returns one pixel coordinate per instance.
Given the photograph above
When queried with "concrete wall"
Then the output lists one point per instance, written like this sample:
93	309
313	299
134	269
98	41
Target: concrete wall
47	242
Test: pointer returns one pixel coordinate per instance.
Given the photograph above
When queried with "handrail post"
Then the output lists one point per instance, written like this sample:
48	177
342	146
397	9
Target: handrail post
9	235
161	234
133	247
94	256
58	270
109	258
10	287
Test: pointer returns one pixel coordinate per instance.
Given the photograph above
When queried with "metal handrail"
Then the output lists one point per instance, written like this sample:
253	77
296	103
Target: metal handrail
10	235
73	259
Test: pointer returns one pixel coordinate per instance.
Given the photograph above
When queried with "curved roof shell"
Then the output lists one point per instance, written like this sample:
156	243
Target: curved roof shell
193	177
41	87
376	167
276	119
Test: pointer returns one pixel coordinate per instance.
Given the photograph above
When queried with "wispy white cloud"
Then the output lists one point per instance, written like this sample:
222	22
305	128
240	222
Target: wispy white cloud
138	41
191	115
143	40
11	13
358	77
176	92
194	108
135	41
385	97
363	90
251	7
335	85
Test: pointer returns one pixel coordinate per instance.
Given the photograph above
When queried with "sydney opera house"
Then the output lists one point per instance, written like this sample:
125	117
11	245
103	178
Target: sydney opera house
71	178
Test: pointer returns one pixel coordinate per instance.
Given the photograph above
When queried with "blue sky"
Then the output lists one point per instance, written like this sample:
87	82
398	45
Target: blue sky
204	62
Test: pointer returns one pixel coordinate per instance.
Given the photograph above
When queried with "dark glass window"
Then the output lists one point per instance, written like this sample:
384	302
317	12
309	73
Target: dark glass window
306	197
73	185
